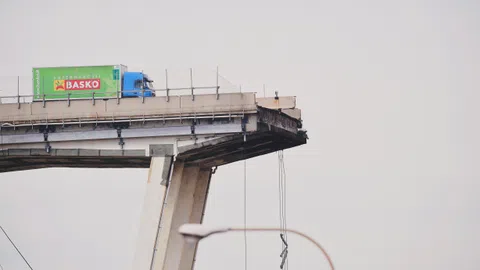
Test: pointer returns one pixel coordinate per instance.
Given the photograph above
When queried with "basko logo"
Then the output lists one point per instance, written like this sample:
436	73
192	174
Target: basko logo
86	84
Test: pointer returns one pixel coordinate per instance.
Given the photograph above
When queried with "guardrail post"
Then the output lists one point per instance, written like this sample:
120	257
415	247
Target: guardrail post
166	85
218	87
191	83
18	91
143	88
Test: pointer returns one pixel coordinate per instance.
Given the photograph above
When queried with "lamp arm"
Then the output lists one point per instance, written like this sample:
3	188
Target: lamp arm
291	231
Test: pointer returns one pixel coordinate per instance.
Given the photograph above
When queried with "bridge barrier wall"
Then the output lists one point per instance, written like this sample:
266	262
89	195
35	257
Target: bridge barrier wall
128	107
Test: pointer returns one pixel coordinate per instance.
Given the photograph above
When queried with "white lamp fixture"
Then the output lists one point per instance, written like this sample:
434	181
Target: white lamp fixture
195	232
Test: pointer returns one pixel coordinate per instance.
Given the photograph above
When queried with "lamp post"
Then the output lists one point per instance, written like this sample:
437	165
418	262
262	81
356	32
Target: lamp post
196	232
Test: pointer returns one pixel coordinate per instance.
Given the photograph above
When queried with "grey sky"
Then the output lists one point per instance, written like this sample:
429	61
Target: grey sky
389	93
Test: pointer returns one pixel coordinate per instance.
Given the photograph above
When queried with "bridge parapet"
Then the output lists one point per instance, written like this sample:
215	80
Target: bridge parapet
128	108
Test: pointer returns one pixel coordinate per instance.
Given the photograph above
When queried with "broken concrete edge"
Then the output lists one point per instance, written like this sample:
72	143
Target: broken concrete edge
186	153
269	120
283	112
276	117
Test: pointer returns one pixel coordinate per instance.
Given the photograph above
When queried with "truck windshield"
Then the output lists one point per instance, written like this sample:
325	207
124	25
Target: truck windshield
147	85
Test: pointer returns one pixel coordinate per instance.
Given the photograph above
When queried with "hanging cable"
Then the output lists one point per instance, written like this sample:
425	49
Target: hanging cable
285	206
282	196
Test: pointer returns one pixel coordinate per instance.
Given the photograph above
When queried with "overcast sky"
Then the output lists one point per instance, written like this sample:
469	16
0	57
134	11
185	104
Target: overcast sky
389	91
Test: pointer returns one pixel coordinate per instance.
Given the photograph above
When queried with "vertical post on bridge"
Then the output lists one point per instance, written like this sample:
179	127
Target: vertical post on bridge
18	91
191	83
166	85
217	86
143	88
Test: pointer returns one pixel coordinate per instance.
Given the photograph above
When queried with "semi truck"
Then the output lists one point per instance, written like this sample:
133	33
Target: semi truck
81	82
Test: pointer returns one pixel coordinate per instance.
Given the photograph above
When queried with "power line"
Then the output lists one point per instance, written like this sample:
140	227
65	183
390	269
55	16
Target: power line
25	260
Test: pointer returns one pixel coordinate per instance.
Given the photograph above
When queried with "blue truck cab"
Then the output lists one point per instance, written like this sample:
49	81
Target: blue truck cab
136	84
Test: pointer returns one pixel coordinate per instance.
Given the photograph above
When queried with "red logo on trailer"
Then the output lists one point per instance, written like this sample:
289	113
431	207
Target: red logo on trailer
82	84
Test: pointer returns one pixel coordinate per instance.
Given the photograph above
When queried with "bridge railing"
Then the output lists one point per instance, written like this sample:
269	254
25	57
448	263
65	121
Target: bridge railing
124	117
102	95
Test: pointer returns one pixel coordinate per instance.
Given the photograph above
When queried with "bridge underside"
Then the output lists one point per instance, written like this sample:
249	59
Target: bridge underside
211	153
237	147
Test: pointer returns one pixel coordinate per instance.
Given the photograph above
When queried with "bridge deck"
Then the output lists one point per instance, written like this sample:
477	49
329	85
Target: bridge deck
81	133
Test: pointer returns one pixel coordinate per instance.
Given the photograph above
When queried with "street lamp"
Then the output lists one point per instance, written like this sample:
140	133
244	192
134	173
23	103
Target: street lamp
196	232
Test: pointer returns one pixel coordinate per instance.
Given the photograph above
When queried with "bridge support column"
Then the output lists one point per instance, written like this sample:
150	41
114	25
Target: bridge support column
184	203
158	176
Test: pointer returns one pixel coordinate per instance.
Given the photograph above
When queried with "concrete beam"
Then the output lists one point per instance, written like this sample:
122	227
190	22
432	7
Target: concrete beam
36	158
83	135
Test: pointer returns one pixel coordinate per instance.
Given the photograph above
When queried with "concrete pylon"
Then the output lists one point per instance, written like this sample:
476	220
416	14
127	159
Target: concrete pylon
176	194
158	174
184	203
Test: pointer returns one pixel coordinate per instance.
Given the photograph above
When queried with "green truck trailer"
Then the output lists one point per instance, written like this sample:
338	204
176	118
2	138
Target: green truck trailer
80	82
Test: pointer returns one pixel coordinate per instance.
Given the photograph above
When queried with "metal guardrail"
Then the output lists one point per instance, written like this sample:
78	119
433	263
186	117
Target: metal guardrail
130	116
80	121
95	95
